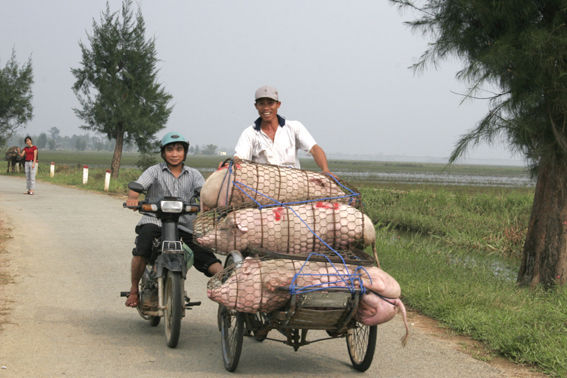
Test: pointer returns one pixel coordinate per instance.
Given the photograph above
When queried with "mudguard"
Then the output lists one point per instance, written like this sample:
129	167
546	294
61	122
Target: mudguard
173	262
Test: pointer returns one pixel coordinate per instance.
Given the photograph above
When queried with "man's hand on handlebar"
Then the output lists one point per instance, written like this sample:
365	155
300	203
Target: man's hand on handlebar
132	203
132	200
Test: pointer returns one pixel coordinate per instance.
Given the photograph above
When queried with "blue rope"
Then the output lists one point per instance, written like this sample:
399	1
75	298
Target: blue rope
353	278
348	280
240	186
227	181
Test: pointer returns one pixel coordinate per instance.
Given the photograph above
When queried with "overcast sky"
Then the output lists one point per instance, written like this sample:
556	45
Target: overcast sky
341	67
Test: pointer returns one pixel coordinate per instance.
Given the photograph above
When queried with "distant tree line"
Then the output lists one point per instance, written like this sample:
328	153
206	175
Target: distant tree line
53	140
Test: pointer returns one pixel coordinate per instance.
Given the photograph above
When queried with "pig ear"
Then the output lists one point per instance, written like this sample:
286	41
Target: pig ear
241	227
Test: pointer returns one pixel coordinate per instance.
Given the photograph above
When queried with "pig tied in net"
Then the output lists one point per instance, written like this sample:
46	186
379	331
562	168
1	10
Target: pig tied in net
266	285
257	284
245	182
294	230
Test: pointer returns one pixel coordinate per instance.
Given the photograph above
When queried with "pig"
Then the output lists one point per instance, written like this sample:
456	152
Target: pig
245	291
266	184
374	309
381	282
288	229
254	285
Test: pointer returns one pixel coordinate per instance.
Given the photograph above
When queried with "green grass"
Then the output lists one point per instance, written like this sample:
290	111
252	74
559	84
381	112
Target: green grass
455	251
73	176
475	294
489	219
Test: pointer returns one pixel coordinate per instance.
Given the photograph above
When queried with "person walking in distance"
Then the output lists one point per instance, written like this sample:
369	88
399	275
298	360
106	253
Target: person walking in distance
29	153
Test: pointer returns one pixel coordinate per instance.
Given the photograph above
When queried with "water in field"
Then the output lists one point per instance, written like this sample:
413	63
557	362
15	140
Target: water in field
436	178
429	178
498	266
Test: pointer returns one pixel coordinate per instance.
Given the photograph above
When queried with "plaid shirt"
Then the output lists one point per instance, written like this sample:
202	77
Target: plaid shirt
160	182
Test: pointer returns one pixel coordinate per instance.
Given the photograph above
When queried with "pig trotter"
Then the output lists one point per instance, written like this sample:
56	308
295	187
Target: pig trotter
375	255
401	306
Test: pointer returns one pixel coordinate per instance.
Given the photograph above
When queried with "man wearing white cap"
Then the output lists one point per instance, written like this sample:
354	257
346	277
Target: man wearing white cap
274	139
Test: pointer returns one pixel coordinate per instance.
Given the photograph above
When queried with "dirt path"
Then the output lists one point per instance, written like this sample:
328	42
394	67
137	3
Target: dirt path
68	260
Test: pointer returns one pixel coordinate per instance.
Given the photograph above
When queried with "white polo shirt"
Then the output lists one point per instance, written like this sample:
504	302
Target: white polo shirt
255	145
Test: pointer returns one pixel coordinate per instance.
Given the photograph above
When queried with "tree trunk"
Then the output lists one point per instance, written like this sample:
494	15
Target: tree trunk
115	165
544	259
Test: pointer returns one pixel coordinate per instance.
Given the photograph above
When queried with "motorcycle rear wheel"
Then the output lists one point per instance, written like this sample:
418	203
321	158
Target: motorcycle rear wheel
173	311
231	325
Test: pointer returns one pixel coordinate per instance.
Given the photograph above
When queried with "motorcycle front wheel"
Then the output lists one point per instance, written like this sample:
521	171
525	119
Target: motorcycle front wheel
173	311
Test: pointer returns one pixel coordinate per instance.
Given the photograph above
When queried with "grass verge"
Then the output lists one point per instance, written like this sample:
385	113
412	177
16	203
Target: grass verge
473	294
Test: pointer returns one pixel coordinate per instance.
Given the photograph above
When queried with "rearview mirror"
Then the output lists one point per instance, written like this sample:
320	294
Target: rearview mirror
136	186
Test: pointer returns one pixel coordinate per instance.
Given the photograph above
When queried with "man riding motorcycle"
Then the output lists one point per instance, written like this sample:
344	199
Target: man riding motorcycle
168	178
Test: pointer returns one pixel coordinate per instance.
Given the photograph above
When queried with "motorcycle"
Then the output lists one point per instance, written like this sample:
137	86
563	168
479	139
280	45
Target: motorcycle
161	288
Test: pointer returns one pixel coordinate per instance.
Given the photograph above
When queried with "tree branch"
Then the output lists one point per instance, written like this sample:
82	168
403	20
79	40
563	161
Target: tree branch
558	136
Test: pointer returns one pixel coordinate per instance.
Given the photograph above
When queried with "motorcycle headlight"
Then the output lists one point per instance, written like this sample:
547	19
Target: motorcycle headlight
171	206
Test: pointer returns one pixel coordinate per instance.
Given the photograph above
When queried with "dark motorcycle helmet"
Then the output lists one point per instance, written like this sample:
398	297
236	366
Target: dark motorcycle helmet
173	137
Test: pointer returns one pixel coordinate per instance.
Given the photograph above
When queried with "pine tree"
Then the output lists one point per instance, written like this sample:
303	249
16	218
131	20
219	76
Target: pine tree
15	96
521	48
116	83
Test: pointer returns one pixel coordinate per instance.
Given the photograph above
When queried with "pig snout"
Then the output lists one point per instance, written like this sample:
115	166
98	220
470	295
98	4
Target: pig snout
207	240
229	234
376	310
382	283
215	191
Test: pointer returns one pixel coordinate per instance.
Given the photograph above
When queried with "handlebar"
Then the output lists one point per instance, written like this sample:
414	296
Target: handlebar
155	207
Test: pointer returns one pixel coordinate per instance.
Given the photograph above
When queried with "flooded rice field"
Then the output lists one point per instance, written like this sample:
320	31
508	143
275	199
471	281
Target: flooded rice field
349	170
520	180
440	178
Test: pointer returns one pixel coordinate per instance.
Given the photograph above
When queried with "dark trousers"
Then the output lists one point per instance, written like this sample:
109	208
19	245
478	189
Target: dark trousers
148	232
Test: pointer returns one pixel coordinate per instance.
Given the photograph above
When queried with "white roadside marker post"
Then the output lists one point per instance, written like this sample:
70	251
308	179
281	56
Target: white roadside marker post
85	174
52	169
107	180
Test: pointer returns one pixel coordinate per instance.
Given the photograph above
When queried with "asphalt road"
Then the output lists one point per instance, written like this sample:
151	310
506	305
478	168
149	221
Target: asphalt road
69	258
